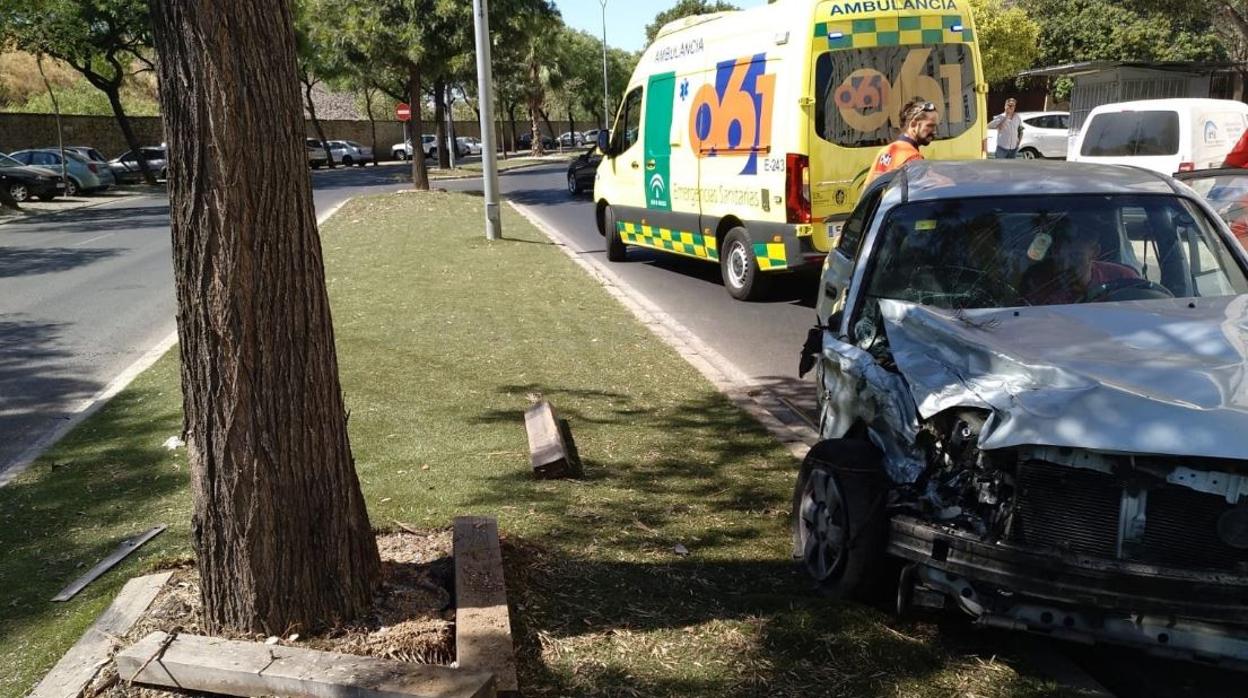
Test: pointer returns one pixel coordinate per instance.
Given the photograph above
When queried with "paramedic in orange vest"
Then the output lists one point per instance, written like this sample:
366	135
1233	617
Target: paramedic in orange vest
919	121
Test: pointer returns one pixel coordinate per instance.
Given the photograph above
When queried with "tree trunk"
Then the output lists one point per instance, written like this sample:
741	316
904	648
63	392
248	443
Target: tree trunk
511	115
316	123
127	132
279	525
439	117
420	172
550	130
372	123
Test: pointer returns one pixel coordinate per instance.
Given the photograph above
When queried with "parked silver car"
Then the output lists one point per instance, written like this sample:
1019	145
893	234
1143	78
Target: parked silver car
83	176
1032	399
125	167
351	153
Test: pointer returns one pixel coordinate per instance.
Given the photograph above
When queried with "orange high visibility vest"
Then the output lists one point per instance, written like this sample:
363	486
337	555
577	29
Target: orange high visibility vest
892	157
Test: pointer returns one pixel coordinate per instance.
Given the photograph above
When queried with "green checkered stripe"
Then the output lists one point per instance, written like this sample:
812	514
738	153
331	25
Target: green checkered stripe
682	242
894	31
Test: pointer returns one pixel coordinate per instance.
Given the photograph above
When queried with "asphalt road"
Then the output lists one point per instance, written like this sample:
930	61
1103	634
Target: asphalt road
85	293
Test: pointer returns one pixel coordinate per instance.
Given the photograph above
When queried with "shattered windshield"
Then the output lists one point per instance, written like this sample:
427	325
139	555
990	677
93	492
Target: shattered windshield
1017	251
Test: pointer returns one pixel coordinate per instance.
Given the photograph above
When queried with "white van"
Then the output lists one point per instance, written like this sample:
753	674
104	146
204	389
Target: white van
1164	135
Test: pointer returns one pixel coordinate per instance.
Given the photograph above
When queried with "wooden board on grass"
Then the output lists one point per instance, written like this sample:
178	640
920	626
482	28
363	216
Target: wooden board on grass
81	663
230	667
548	449
482	624
126	547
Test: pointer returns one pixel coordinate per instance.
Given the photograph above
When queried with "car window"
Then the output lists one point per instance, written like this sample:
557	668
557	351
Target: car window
1007	252
1037	121
1132	133
45	159
855	228
153	154
630	120
6	161
857	105
1228	195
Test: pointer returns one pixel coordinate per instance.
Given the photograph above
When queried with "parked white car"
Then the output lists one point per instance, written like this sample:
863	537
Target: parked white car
1163	135
351	153
428	144
1045	135
469	145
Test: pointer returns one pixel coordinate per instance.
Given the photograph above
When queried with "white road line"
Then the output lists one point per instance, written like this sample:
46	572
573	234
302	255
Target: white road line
787	425
90	406
97	237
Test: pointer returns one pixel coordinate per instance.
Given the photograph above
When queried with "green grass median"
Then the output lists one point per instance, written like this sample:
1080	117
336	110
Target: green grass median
443	341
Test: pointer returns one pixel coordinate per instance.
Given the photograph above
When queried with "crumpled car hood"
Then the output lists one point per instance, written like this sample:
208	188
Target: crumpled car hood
1155	377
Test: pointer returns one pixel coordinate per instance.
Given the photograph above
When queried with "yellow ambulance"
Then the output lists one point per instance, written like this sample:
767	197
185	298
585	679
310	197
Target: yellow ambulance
744	137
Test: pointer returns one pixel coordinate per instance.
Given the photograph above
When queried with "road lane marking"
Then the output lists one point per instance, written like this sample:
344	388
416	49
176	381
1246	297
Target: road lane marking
757	399
85	408
97	237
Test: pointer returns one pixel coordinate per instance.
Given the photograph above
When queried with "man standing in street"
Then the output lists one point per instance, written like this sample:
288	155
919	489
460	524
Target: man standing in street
918	122
1009	130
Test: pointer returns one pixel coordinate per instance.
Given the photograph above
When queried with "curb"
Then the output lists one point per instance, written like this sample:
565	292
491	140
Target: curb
91	405
33	214
783	422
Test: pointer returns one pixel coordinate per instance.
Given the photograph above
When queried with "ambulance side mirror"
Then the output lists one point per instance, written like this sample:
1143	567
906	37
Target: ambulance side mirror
604	143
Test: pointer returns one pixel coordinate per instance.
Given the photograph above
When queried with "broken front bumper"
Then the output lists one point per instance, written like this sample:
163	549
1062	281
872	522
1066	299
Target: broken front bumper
1187	614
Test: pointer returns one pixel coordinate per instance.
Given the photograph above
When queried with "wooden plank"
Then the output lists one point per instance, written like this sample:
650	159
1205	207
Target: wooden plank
482	624
198	663
78	667
126	547
547	448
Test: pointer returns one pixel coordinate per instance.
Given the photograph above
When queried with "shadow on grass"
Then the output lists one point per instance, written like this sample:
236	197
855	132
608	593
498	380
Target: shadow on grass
109	480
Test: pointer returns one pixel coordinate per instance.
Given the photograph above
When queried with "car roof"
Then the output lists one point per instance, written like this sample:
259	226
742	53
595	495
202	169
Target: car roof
934	180
1176	103
1033	114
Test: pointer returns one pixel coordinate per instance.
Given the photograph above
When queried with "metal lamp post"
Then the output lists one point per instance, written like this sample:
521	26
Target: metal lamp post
606	93
485	94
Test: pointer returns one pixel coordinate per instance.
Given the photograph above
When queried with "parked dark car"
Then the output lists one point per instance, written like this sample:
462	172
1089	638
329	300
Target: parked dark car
1032	406
582	172
525	142
1226	190
125	167
25	182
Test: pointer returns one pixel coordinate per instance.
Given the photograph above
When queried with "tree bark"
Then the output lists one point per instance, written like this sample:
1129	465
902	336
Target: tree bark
439	117
279	524
420	171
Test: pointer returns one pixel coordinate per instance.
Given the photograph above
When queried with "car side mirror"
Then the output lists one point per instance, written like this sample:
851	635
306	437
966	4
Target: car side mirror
604	143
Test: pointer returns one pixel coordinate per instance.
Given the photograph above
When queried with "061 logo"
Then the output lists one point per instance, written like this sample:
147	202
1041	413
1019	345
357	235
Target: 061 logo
732	116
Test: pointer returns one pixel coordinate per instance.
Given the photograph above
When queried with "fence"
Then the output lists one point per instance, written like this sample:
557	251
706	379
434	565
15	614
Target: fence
21	131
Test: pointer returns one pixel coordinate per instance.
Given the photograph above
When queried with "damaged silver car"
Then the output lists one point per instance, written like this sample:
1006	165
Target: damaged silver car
1033	389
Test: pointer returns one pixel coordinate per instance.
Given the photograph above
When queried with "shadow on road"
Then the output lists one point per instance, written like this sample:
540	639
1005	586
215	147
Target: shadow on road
22	261
93	221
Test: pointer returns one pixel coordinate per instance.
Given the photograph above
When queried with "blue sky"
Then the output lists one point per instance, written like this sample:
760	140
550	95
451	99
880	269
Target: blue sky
626	19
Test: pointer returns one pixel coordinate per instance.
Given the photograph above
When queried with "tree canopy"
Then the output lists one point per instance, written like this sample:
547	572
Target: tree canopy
685	8
1008	38
1088	30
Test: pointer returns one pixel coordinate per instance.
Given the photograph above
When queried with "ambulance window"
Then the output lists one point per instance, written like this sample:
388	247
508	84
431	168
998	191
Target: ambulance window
859	92
628	128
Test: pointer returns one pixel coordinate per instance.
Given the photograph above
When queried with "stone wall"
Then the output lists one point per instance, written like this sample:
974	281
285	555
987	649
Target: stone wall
21	131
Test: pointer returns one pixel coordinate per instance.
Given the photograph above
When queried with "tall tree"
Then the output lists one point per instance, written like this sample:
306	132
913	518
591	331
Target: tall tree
101	39
1008	38
685	8
279	524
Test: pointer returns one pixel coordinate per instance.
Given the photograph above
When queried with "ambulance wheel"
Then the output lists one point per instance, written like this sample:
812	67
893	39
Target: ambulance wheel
742	277
616	250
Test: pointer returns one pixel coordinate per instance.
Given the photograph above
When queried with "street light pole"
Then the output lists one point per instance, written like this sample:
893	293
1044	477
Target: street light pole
485	94
606	93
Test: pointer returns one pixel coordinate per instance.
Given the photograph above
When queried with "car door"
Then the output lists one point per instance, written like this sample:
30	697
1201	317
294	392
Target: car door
839	268
627	188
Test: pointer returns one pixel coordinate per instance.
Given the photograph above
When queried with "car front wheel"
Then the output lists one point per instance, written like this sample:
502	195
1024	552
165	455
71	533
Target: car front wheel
617	251
840	527
72	188
19	192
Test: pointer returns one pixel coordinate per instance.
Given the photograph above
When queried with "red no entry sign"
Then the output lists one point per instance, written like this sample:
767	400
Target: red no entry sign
402	112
